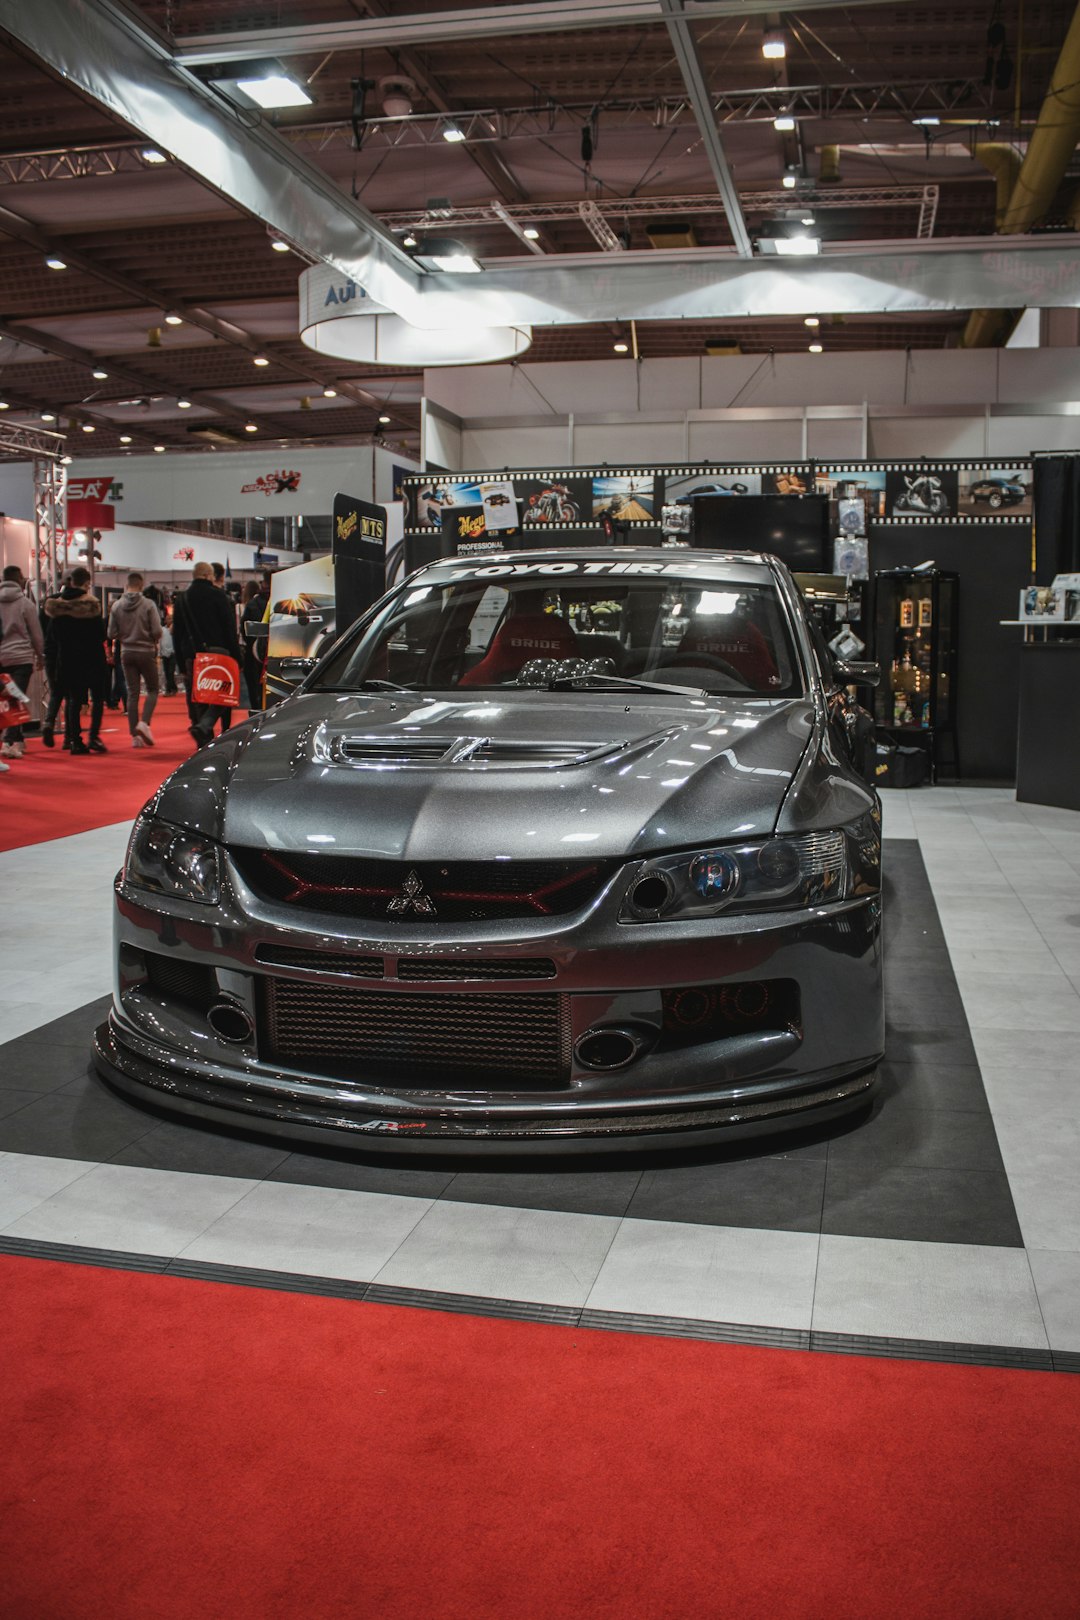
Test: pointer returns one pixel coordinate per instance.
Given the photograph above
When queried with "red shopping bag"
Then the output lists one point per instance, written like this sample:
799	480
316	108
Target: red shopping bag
216	679
14	707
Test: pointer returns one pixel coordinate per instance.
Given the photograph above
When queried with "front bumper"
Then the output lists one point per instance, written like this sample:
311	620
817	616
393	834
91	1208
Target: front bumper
605	974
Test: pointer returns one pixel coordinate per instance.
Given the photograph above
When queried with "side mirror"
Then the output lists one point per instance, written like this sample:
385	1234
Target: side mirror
849	674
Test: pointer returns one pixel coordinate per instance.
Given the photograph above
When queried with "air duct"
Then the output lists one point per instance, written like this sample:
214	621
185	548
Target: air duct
1004	163
1052	143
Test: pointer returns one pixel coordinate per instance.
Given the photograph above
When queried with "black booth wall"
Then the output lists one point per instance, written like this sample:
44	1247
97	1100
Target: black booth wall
994	563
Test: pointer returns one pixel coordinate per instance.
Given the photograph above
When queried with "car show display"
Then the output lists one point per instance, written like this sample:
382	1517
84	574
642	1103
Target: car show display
916	636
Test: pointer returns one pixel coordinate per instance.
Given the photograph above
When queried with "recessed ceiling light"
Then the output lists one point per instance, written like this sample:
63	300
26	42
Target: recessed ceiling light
621	347
279	246
811	320
784	123
250	427
788	182
150	154
100	375
47	416
88	427
329	393
55	263
159	449
453	134
773	45
183	404
261	360
174	320
384	419
125	438
272	90
530	233
816	348
408	240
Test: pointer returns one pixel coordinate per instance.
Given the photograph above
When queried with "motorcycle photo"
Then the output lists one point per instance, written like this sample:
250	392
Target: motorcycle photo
552	505
923	494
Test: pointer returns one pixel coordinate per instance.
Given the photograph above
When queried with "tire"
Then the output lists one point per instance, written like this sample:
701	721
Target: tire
939	506
995	500
568	512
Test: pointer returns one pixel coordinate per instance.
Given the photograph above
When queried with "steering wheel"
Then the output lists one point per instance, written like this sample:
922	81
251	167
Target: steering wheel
708	661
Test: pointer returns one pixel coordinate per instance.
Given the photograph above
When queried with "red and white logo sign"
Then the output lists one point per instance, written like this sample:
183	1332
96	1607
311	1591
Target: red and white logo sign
276	483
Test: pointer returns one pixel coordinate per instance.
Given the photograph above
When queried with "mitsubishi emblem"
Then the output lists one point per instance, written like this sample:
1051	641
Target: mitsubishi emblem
411	898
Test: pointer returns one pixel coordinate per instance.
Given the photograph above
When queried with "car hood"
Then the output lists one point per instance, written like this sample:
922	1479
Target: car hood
533	774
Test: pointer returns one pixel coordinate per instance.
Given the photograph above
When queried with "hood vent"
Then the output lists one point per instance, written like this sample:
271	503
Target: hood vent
378	752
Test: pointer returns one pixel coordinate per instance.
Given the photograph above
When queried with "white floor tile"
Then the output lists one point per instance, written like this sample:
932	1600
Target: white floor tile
709	1273
949	1291
1047	1200
530	1254
319	1231
27	1179
141	1211
1057	1283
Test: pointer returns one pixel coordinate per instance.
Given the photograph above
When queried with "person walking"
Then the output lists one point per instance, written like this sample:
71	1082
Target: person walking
256	596
204	620
168	661
22	646
135	624
80	637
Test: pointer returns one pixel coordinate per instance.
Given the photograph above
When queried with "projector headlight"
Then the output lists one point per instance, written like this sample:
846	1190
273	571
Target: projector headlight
779	874
168	860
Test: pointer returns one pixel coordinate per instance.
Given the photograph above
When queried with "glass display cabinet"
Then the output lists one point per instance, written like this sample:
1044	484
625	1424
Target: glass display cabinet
915	642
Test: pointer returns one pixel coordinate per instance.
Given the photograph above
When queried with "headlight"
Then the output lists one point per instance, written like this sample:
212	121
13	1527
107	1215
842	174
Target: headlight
168	860
779	874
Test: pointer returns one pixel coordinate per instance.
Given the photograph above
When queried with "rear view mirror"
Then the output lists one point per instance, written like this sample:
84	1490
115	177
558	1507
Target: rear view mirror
850	674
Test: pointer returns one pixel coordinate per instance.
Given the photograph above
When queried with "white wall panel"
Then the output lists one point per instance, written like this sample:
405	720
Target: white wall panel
746	441
627	443
538	446
828	438
17	489
1019	435
936	437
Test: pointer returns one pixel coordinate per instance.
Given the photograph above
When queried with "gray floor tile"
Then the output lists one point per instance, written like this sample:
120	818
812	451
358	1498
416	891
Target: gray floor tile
26	1180
1057	1283
710	1273
12	1101
140	1211
319	1231
407	1179
541	1255
761	1193
594	1192
918	1205
72	1127
934	1139
932	1085
1047	1202
926	1291
26	1067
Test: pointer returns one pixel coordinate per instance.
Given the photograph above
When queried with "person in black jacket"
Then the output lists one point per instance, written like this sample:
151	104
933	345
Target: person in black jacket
204	620
79	627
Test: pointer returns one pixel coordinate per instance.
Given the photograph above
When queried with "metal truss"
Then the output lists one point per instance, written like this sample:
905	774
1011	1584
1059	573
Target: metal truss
76	163
16	439
50	523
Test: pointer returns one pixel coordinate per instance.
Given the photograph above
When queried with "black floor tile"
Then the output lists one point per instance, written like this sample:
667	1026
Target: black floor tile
74	1028
353	1175
26	1067
199	1151
65	1126
11	1100
777	1194
593	1192
930	1139
867	1199
913	1045
926	1084
919	1009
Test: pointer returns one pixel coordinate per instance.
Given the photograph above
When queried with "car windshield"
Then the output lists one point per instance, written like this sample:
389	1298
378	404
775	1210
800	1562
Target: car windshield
502	627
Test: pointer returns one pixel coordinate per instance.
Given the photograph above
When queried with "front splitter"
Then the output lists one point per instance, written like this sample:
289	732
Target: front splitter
200	1098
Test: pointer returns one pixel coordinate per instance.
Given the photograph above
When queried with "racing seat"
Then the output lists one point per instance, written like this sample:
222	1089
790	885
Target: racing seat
518	640
741	646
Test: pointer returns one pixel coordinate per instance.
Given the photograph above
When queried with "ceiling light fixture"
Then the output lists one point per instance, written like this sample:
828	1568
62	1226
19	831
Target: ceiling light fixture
54	262
453	133
774	45
150	154
784	123
448	254
250	427
125	438
174	320
100	375
812	320
88	427
621	347
65	461
531	234
47	416
408	240
799	246
807	219
183	404
788	182
329	393
273	89
260	360
927	122
384	419
278	246
159	449
4	406
816	348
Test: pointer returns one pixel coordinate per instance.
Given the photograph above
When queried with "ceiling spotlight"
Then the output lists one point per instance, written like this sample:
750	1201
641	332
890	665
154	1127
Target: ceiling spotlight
531	234
47	416
261	360
279	246
408	240
621	347
65	461
88	427
250	427
150	154
816	348
807	219
4	406
784	123
788	182
55	263
774	45
125	438
174	320
159	449
329	393
183	404
811	320
274	89
384	419
448	254
453	133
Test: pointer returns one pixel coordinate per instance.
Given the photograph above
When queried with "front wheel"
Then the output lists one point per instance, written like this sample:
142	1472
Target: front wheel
996	500
939	506
568	512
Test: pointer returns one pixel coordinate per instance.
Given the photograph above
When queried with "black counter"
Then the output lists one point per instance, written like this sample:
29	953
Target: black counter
1048	738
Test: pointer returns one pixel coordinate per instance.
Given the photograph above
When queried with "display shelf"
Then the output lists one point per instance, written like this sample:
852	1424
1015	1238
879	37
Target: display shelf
915	642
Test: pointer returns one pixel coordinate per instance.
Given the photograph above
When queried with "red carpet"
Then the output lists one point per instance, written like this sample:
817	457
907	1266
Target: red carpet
178	1449
47	794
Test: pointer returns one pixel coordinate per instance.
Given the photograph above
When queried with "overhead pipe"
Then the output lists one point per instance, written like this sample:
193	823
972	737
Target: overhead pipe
1051	145
1004	163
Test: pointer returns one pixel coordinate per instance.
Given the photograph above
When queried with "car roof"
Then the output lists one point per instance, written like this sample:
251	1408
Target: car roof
748	566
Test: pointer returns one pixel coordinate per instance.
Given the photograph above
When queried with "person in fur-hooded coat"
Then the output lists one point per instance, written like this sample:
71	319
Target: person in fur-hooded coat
79	628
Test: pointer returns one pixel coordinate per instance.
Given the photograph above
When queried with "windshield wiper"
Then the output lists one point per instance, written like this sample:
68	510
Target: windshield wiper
615	683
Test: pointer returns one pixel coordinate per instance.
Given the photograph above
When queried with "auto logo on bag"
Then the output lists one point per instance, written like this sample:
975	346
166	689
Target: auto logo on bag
412	898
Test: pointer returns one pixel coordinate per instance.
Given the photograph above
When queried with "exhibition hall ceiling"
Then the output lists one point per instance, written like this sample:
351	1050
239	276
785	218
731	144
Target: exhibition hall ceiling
576	140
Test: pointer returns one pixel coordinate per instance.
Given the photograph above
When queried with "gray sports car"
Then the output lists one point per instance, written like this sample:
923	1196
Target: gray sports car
493	878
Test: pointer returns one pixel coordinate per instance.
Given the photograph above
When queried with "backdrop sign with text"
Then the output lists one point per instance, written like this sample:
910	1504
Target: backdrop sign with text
359	551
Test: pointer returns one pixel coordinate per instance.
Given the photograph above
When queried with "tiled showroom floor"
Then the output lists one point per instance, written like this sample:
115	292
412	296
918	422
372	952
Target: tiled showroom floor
951	1214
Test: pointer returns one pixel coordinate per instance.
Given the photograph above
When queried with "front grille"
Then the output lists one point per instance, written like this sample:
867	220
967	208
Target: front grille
461	1039
295	956
177	980
520	967
459	891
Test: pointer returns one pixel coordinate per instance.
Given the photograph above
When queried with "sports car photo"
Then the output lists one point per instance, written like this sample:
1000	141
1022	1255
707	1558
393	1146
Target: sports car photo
493	878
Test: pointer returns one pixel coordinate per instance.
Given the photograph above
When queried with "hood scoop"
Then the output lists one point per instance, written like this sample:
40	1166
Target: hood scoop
379	752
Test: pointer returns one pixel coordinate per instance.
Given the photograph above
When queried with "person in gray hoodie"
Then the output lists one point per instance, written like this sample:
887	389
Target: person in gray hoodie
22	646
135	623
